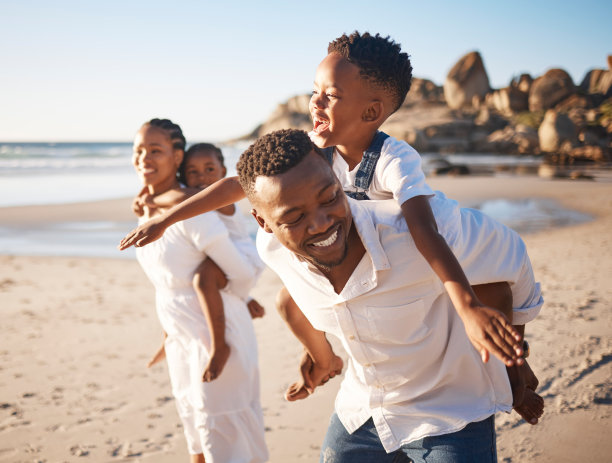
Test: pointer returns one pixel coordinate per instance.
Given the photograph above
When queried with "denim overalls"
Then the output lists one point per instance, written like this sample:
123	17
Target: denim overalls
364	175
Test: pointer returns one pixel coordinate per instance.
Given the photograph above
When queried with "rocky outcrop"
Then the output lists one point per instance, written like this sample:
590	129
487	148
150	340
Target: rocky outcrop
549	89
466	81
578	128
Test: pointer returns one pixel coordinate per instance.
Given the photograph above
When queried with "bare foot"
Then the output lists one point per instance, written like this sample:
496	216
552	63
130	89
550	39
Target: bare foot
526	402
158	357
217	361
255	309
313	375
532	407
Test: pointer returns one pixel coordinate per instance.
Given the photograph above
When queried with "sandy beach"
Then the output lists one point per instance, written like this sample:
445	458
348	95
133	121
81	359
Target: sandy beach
77	333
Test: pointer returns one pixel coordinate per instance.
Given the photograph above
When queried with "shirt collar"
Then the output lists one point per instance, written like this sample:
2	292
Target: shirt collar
364	224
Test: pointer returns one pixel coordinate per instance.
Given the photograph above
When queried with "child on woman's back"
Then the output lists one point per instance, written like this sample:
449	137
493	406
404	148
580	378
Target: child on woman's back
203	165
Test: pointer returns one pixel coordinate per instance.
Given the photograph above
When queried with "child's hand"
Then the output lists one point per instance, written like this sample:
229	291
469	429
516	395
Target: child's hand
255	309
157	357
218	359
144	234
312	376
490	331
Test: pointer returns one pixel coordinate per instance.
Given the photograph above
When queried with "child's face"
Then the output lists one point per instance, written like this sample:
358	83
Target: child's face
339	100
154	158
202	169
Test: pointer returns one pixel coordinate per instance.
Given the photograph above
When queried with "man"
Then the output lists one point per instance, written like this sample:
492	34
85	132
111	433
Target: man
415	387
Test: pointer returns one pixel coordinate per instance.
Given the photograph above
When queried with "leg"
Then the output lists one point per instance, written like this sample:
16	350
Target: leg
320	363
473	444
199	458
207	282
523	382
363	446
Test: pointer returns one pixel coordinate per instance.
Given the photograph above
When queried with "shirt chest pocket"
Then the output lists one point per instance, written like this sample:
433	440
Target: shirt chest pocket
403	324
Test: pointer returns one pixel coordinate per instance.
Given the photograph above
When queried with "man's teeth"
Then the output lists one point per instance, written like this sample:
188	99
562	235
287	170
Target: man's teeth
328	242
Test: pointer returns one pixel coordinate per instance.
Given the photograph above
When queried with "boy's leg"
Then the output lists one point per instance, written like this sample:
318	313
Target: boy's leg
523	381
473	444
207	282
363	446
321	362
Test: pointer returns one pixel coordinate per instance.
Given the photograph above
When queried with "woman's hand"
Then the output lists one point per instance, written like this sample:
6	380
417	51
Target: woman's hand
146	233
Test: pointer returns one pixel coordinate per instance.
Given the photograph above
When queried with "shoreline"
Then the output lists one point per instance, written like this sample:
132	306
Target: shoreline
78	332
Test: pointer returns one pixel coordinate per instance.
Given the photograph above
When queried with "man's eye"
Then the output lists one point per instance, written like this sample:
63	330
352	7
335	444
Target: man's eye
332	199
294	221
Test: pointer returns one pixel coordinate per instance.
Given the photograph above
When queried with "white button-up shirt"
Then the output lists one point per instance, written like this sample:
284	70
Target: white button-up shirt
411	366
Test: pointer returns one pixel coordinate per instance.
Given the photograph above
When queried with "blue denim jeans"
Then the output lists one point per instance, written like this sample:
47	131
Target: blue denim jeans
473	444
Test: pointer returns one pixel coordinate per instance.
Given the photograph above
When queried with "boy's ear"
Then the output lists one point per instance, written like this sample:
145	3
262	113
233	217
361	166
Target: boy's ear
374	111
260	221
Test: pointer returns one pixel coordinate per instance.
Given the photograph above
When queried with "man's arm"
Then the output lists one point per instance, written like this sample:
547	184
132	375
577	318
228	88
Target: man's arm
222	193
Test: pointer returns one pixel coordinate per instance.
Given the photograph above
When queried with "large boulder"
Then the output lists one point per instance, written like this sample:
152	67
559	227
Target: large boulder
549	89
422	90
508	100
466	81
598	81
556	130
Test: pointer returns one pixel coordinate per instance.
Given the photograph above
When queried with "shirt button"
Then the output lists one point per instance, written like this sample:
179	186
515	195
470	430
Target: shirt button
351	337
367	365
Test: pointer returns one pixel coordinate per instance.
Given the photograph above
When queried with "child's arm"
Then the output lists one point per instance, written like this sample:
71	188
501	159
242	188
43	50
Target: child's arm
488	329
222	193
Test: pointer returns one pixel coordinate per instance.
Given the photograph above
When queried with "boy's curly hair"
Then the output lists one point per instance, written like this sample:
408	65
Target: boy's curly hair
273	154
380	61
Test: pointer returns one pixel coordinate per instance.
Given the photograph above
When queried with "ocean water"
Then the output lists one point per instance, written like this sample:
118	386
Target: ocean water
59	173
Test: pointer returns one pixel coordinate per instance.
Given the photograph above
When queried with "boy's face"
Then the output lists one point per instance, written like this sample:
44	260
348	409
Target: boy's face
339	102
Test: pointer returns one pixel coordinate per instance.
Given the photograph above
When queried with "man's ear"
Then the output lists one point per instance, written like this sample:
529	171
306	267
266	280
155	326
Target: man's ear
374	111
260	221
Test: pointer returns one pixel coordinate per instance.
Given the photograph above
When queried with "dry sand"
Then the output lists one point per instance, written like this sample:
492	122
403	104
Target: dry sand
77	332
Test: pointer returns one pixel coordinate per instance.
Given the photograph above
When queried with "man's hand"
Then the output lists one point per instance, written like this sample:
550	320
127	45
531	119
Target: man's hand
218	359
490	331
144	234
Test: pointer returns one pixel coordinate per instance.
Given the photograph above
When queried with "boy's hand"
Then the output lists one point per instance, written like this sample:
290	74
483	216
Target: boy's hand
312	376
490	331
218	359
255	309
144	234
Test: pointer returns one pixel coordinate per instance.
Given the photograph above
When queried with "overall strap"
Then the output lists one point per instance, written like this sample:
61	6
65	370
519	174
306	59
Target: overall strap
364	175
329	153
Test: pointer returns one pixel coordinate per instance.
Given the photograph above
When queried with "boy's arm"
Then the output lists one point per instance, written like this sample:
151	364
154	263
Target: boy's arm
487	328
222	193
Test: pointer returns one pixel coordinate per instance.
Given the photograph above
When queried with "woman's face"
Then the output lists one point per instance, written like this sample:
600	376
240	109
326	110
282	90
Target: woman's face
154	158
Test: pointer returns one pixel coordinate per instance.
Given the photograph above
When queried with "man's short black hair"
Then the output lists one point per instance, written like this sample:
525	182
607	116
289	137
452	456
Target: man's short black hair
273	154
380	61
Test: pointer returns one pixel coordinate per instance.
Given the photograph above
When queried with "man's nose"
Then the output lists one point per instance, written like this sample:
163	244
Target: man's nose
320	222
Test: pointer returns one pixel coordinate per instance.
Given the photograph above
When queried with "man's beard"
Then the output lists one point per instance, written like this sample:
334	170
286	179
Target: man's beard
328	265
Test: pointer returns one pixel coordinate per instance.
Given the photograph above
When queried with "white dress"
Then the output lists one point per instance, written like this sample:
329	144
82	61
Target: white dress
222	419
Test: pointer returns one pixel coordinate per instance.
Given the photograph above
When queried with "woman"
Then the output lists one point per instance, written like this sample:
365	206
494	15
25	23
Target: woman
222	419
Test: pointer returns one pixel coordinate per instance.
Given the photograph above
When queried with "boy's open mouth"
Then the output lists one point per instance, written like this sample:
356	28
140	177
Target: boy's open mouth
319	125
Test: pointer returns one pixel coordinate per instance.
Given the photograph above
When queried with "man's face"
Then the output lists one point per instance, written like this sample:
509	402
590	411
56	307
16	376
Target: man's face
306	210
339	100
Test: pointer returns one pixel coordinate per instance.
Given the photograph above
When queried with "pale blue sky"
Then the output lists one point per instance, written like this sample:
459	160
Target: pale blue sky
89	71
